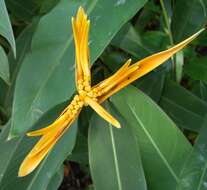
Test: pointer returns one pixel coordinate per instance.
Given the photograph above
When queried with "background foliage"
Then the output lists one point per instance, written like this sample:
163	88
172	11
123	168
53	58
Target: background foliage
162	144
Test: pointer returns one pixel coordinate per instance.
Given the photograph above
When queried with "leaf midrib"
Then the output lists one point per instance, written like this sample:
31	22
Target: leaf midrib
115	157
53	68
155	145
181	107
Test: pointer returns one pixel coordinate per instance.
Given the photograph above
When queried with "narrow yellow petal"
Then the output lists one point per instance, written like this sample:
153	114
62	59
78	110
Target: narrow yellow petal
41	149
50	135
102	112
81	31
114	77
32	161
45	130
79	72
148	64
84	50
34	158
120	78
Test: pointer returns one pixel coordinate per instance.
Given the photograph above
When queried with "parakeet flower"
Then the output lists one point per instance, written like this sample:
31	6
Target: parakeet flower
88	95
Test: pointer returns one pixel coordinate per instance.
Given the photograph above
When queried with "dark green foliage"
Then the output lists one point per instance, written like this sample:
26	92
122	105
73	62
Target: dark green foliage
162	143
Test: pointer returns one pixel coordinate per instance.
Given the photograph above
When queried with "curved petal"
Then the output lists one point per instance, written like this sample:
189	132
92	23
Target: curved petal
148	64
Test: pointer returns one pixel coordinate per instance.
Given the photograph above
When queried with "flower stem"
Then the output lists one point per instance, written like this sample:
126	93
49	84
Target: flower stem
169	33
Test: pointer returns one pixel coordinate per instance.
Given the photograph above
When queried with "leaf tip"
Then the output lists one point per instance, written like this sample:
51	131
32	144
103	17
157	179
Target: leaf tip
11	136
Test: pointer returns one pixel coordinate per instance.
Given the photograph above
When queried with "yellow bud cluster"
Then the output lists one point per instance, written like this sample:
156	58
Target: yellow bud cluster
76	104
84	85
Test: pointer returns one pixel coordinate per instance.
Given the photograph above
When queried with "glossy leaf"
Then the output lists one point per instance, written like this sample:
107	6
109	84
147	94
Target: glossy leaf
14	151
4	66
188	17
163	146
114	156
196	69
186	109
49	67
5	26
23	45
130	41
22	9
152	84
200	90
150	11
56	179
194	173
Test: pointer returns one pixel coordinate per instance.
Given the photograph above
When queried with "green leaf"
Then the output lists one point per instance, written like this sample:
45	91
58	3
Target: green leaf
130	41
186	109
179	60
26	10
200	90
152	84
89	188
56	179
80	151
194	174
149	14
163	146
114	155
23	45
155	40
188	17
4	66
5	26
49	67
47	5
197	68
14	151
22	9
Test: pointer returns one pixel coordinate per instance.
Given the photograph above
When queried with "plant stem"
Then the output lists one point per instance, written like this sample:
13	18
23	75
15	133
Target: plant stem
169	33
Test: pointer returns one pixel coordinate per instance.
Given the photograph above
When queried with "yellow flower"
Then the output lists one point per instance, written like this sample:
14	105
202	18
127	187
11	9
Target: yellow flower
88	95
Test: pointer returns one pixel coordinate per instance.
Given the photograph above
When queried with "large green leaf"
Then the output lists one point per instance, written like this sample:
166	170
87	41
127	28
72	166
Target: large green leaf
5	26
130	41
152	84
200	90
56	179
186	109
26	10
49	67
4	66
163	147
14	151
114	156
197	68
22	9
188	17
23	45
194	174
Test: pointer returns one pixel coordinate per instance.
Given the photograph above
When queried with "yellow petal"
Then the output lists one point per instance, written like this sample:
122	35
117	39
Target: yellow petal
32	161
84	49
148	64
55	124
50	136
34	158
81	31
79	72
115	76
41	149
102	112
120	78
